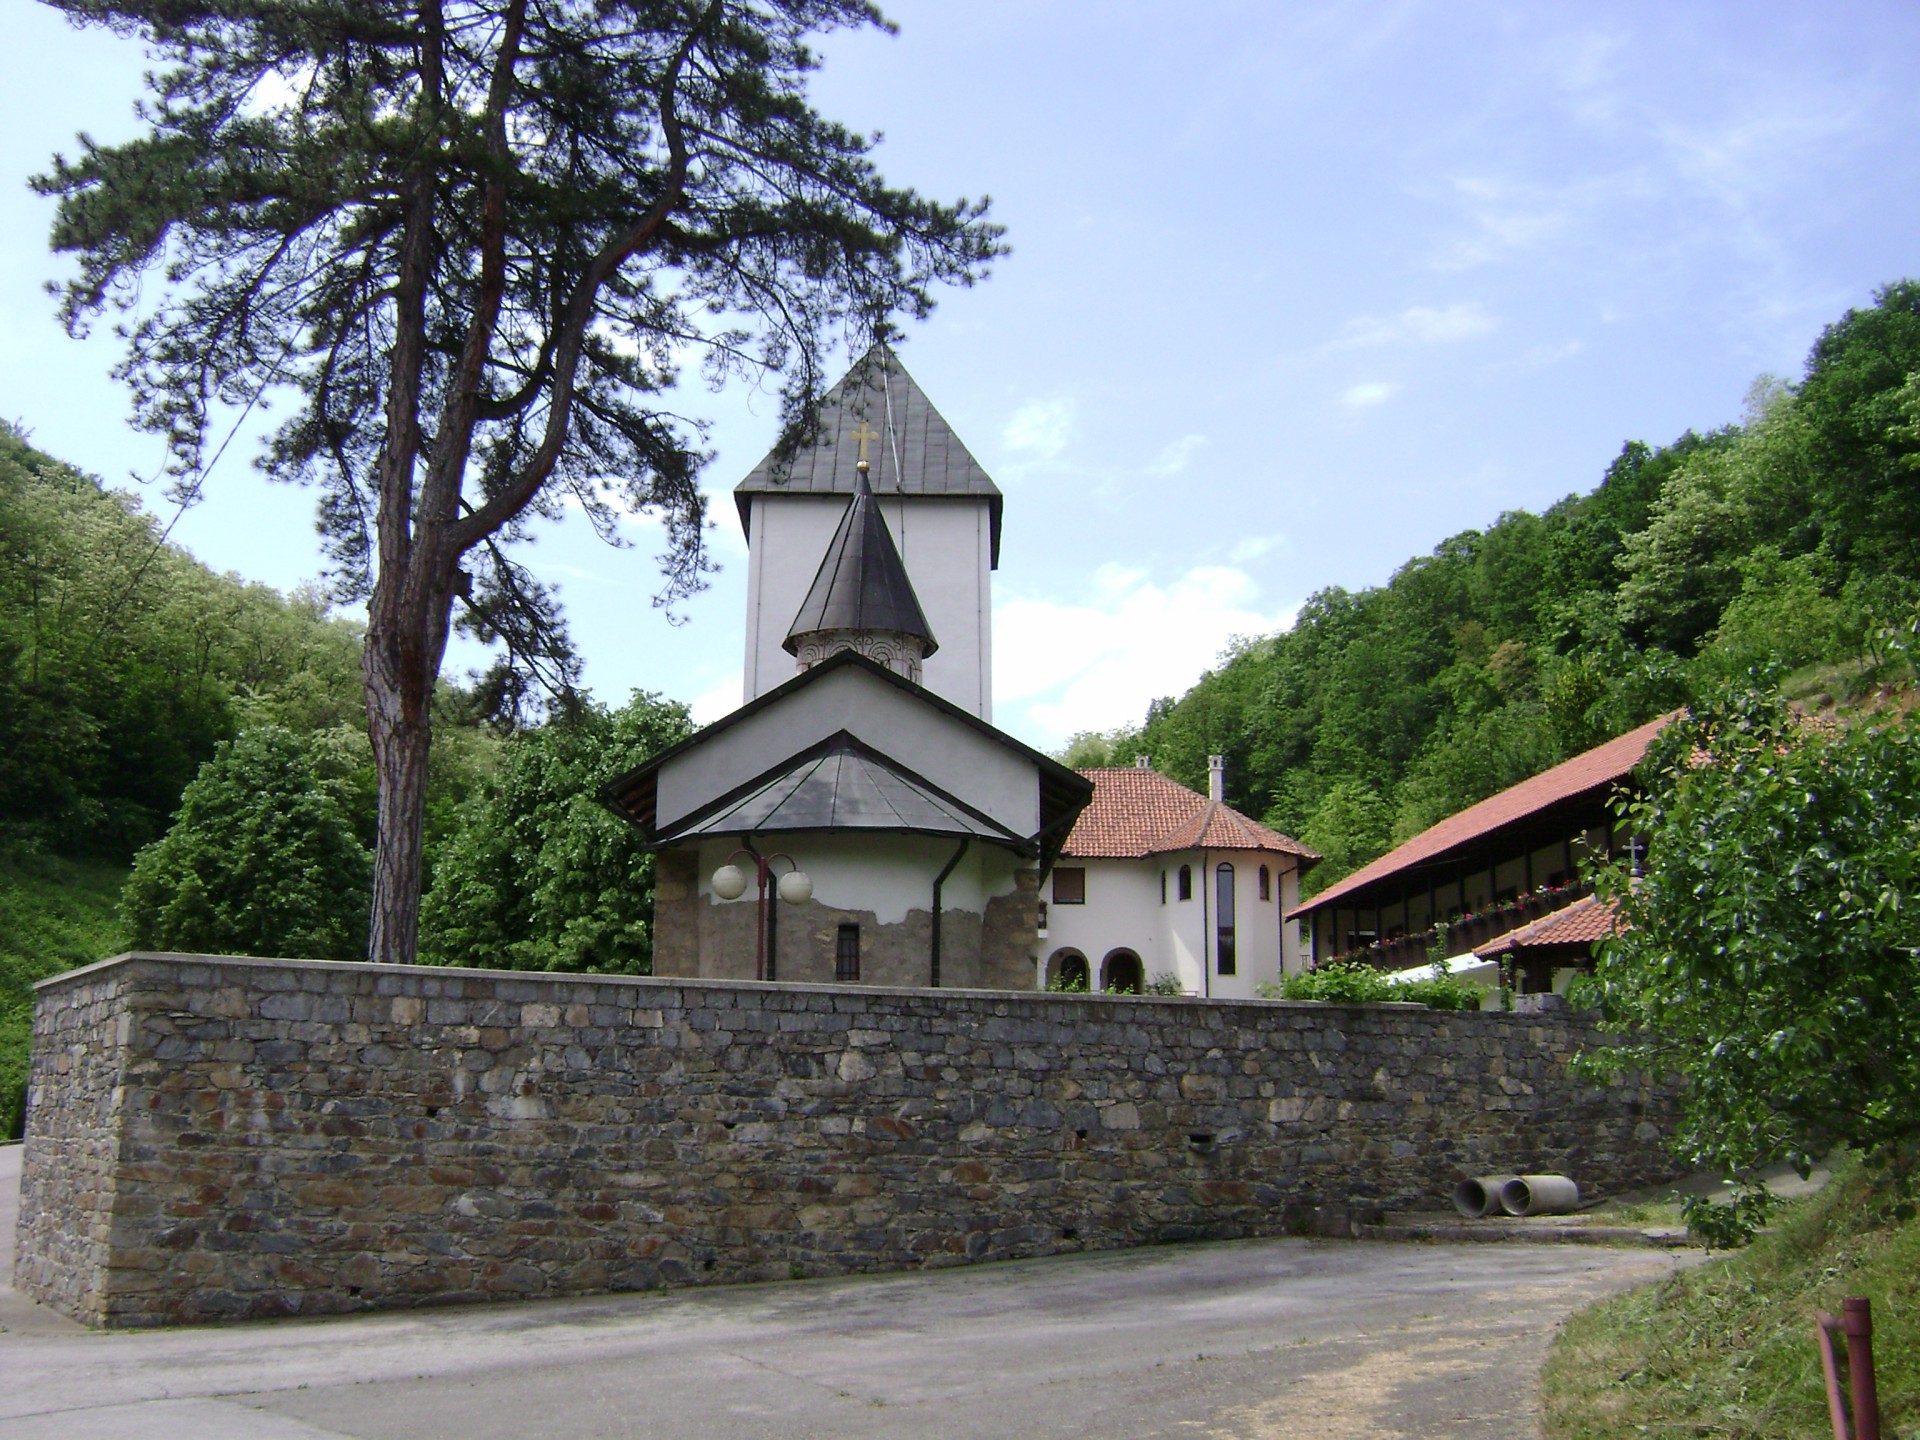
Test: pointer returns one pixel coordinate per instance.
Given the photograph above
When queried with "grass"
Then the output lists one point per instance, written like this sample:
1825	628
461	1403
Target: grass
54	914
1726	1349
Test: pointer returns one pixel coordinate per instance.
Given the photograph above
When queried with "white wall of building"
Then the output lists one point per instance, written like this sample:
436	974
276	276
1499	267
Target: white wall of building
946	544
1124	910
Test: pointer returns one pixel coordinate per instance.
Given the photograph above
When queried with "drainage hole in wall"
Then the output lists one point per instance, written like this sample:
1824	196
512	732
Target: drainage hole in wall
729	1124
1079	1134
1199	1141
1069	1233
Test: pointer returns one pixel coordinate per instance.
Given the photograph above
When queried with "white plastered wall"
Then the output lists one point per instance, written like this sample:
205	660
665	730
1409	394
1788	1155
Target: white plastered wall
1123	910
946	543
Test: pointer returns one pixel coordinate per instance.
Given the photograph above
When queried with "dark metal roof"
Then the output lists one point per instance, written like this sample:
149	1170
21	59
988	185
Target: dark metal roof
1063	793
841	784
861	584
916	452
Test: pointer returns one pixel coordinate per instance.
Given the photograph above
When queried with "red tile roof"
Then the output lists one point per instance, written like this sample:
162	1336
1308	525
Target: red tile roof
1136	812
1584	921
1601	767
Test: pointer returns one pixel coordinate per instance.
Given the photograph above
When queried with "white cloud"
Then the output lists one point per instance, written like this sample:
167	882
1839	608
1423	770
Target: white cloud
1040	428
718	700
1368	393
1252	547
1061	666
1417	325
1175	457
1506	218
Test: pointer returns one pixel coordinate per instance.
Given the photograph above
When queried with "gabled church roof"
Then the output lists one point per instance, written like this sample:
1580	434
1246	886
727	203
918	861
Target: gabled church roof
916	453
841	784
861	584
1064	793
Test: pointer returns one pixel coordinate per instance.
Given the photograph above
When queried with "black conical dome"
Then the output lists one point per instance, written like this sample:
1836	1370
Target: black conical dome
862	583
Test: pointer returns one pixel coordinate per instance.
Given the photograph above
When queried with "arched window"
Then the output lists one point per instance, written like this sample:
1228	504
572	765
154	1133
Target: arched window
1223	935
1186	882
1266	886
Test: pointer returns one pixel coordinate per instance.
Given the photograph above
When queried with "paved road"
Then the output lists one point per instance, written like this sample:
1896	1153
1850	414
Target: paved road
1336	1341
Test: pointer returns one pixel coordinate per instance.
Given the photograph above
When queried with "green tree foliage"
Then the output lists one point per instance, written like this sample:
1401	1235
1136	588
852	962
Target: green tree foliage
1773	959
260	861
1858	399
1100	749
1350	826
470	239
539	875
123	661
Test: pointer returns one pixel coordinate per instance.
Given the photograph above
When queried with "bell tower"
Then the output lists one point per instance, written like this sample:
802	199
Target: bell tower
877	537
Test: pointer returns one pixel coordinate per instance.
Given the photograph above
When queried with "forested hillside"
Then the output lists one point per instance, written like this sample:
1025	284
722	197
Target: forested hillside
1786	541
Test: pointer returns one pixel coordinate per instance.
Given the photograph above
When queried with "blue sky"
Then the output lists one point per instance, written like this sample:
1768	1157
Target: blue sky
1297	291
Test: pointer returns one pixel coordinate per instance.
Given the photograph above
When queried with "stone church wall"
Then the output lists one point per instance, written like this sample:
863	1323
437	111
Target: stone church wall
219	1138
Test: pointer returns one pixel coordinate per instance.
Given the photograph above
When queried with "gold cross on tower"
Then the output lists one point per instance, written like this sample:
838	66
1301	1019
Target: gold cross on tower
865	434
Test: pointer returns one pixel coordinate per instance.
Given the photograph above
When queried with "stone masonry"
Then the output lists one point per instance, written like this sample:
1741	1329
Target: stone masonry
214	1138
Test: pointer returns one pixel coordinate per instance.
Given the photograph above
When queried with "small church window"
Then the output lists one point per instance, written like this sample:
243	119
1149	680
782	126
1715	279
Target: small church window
846	953
1069	885
1186	882
1266	884
1163	887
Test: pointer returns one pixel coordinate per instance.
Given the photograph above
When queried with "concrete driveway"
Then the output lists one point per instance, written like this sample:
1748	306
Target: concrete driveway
1333	1340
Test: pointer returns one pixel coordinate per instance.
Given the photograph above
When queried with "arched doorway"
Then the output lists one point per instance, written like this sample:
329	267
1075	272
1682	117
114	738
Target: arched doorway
1068	970
1122	973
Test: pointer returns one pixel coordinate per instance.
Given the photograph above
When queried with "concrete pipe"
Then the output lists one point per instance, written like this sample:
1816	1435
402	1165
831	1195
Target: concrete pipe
1480	1197
1539	1195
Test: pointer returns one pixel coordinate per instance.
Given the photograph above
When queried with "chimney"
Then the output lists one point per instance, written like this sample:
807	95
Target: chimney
1216	777
1142	762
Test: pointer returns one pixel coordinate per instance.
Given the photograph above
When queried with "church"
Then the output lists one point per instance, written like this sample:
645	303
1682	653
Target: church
859	819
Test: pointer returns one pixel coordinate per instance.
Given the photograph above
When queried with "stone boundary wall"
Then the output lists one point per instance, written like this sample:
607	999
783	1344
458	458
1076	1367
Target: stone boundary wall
213	1138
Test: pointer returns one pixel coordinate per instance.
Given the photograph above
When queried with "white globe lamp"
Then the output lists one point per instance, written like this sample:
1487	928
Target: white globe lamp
729	882
795	887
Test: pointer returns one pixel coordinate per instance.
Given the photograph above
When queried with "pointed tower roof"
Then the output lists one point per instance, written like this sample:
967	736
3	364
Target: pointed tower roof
917	451
862	583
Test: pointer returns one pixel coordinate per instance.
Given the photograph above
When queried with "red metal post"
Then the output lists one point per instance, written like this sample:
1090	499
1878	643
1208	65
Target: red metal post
1857	1316
1858	1328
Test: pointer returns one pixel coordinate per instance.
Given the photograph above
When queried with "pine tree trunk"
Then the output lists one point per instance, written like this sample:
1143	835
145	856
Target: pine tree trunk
406	641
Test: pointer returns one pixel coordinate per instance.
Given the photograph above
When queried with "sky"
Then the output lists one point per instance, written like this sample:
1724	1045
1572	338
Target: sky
1296	292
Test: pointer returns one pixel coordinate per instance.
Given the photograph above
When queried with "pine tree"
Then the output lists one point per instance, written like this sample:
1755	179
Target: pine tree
474	238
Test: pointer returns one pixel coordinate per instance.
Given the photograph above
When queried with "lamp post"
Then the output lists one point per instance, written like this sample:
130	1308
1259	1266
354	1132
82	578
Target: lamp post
730	883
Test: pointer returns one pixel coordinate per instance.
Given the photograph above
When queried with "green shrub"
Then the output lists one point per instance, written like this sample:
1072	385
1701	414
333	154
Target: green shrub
260	861
1442	990
1357	984
1771	955
1344	984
